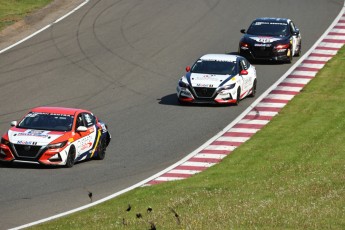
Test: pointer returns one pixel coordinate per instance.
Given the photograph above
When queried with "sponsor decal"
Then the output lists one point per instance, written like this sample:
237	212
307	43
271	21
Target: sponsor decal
26	142
204	85
265	39
34	133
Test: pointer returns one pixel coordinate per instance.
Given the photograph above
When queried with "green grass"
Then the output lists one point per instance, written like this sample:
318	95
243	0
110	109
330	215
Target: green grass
290	175
12	11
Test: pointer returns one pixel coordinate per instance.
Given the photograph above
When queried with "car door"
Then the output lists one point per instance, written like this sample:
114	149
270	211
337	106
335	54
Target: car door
247	79
85	139
295	38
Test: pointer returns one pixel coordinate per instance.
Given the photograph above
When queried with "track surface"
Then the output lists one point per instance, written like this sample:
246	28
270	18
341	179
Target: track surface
122	60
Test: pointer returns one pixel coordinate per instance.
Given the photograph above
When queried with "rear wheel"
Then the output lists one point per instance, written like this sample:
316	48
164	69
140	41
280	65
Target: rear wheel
253	89
238	96
70	158
101	148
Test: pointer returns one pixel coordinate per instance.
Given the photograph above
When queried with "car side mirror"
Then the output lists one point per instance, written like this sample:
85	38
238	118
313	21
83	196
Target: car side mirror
81	129
188	69
296	32
244	72
14	123
243	31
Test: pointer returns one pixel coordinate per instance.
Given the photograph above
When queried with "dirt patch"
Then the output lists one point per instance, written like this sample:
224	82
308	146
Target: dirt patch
36	21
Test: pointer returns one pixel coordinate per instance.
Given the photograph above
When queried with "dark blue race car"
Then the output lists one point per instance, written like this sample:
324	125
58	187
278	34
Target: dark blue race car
272	39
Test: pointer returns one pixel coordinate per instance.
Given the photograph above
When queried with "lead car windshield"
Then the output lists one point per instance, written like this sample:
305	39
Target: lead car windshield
277	29
47	121
213	67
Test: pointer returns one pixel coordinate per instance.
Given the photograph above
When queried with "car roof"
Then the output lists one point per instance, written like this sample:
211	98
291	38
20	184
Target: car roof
270	19
220	57
57	110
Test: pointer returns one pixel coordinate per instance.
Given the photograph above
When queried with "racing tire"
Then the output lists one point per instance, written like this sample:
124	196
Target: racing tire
253	93
289	57
299	50
70	158
101	148
238	96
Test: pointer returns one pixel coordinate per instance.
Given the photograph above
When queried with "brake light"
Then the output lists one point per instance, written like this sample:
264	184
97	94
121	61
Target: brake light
244	45
282	46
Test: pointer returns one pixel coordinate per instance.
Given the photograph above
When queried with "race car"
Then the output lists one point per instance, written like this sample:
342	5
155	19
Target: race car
217	79
55	136
272	39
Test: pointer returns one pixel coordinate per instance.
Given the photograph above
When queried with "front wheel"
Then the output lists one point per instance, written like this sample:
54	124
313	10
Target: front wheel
289	56
101	148
70	158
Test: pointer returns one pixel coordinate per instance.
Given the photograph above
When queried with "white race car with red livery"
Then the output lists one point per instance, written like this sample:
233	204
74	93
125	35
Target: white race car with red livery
217	79
55	136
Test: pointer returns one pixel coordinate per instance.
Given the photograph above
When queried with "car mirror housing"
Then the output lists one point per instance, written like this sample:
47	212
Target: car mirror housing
14	123
243	31
81	129
188	69
244	72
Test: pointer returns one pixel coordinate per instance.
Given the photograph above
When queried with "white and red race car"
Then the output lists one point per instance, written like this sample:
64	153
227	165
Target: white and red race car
217	79
55	136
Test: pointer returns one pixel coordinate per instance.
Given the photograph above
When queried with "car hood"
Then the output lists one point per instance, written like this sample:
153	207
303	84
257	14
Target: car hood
265	39
208	80
32	136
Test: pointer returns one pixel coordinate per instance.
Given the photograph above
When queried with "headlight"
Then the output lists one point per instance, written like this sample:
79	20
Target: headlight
57	145
226	87
182	84
4	141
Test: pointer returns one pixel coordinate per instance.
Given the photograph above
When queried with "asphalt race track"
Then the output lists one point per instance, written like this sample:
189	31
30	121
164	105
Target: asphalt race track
122	59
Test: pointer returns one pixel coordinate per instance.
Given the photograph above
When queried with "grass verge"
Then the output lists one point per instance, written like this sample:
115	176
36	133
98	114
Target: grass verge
12	11
290	175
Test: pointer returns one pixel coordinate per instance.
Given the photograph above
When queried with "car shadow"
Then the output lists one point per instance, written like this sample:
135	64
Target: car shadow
260	62
171	99
18	165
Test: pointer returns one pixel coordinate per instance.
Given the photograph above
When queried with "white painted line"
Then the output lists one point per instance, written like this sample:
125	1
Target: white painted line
338	30
304	73
335	37
184	161
297	80
168	178
280	96
313	58
291	89
44	28
233	139
309	65
271	105
221	147
331	45
197	164
330	52
210	156
263	113
181	171
243	130
253	122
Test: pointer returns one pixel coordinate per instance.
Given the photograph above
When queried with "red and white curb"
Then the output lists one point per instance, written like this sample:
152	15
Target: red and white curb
249	122
262	110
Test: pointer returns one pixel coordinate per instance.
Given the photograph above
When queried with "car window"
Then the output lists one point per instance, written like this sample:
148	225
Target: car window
89	119
47	121
213	67
80	121
292	27
264	28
